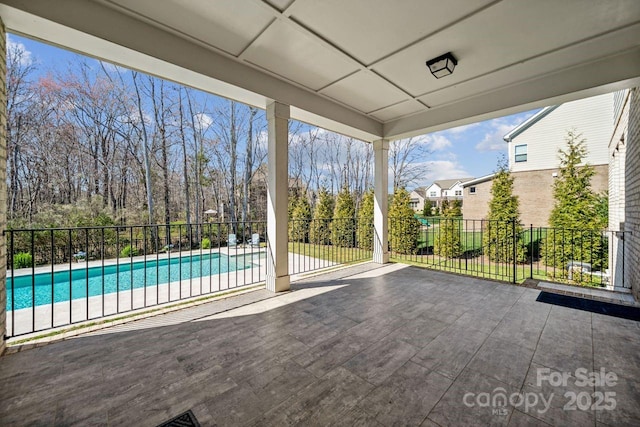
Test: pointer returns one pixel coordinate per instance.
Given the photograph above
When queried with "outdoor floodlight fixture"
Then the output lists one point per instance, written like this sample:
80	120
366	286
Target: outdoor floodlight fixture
443	65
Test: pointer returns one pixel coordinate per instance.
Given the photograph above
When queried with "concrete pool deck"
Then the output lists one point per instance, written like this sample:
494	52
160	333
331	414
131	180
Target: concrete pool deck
62	314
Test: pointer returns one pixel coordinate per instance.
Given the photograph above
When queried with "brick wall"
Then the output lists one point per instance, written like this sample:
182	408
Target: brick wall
535	193
476	205
632	195
3	184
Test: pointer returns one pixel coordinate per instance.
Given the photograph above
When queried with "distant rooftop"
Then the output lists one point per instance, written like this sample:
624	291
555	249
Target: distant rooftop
446	184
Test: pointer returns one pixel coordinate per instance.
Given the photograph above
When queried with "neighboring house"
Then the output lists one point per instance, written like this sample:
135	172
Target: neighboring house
417	198
534	161
436	193
477	196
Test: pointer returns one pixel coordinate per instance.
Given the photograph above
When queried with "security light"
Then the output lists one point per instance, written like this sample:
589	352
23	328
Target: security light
443	65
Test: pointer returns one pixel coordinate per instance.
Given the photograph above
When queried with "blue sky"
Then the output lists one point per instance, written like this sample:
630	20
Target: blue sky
467	151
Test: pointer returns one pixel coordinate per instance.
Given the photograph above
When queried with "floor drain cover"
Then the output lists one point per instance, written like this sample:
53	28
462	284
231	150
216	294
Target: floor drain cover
183	420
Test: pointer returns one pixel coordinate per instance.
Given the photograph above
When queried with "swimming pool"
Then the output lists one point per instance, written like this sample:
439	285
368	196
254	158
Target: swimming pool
73	284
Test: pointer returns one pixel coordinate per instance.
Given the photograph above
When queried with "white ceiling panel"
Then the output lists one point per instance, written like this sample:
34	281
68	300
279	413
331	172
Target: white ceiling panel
398	110
284	50
365	92
221	23
505	34
371	29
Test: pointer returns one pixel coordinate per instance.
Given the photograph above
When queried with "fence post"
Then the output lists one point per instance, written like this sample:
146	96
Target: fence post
515	251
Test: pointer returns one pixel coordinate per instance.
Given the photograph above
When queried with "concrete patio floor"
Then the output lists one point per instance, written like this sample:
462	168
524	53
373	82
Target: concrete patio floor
363	346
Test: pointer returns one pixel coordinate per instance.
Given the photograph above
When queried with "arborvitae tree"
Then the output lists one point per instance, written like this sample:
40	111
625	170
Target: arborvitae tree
403	226
444	207
320	232
426	209
292	202
502	227
455	208
447	242
300	221
576	233
365	221
343	228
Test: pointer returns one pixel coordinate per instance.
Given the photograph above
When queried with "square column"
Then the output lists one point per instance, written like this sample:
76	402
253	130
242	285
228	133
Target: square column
381	193
277	197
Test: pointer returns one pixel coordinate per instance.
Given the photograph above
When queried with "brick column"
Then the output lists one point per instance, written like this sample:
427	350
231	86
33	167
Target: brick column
3	185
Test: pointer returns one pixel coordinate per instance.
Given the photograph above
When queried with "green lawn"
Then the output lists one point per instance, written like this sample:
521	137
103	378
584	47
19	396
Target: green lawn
330	252
470	240
477	266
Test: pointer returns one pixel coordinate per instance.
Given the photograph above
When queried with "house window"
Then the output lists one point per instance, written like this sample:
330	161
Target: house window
472	190
458	192
521	153
432	194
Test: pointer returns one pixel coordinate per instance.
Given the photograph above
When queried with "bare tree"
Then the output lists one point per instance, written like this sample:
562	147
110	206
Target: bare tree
408	161
145	148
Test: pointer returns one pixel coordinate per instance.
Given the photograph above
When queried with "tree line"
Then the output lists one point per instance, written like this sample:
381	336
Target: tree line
96	144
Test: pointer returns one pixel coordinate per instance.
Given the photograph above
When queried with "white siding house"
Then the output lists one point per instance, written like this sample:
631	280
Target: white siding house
417	199
455	191
535	143
434	191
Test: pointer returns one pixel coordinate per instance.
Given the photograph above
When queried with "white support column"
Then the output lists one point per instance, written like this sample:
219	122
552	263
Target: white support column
277	194
381	192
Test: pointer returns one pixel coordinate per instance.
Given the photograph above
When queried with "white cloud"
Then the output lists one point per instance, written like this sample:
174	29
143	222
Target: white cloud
498	128
439	142
442	169
492	140
19	51
202	121
432	141
445	169
464	128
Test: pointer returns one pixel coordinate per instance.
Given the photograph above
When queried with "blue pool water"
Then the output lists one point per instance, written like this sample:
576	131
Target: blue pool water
114	278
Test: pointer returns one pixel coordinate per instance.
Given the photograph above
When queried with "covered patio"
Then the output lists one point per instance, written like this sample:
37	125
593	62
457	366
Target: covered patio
366	345
377	343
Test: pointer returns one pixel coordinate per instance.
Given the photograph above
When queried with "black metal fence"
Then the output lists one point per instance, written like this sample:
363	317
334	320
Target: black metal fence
507	251
62	276
320	243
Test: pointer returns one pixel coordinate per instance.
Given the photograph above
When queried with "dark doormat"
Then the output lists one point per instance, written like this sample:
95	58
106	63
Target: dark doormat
183	420
606	308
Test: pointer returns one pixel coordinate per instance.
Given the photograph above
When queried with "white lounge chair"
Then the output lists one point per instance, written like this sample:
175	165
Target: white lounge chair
232	240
